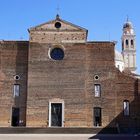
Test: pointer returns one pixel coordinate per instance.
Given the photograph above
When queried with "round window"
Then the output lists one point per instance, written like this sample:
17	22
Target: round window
57	54
16	77
96	77
57	25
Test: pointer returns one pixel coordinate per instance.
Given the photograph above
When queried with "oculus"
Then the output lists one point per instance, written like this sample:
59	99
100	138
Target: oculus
57	25
96	77
16	77
57	54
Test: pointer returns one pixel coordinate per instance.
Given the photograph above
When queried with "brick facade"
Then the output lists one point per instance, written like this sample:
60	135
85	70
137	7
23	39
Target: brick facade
13	61
69	82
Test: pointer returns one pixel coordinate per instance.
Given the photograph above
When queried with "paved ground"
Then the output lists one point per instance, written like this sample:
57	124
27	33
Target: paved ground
66	137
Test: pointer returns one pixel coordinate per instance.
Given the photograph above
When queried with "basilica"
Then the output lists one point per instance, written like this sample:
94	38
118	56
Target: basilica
59	79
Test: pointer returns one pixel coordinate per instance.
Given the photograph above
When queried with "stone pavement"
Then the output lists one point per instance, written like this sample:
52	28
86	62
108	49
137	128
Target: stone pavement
66	137
45	136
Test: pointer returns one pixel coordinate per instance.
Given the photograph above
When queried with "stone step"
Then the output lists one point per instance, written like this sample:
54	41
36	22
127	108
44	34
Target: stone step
29	130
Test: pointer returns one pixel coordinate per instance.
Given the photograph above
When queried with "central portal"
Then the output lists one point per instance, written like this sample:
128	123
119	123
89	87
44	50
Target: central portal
56	114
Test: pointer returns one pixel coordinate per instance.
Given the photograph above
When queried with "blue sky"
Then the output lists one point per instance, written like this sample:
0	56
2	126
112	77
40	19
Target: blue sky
103	18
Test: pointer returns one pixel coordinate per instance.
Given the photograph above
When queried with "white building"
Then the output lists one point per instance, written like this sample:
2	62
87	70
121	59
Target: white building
126	60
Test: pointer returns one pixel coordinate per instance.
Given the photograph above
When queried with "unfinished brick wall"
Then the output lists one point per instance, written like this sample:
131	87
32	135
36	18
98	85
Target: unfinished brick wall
71	79
13	61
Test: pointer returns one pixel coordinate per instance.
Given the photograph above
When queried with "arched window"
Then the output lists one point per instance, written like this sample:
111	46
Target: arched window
123	45
132	42
126	42
126	107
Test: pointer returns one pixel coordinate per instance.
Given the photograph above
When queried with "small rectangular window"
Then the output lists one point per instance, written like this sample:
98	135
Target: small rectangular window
126	108
16	90
97	90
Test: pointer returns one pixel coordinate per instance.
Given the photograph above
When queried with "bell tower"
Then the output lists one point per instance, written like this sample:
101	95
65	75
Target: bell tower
129	47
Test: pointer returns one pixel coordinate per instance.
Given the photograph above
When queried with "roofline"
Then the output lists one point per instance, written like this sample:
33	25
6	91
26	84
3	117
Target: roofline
14	40
74	25
111	42
58	19
39	25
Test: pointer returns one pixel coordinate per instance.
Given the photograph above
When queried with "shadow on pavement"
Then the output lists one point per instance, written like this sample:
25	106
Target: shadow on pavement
115	137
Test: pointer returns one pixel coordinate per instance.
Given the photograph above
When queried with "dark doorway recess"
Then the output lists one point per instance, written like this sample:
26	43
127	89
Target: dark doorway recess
56	114
97	116
15	116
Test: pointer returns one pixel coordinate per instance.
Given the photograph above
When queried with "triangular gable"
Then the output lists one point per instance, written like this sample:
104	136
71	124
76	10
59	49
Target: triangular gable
65	25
